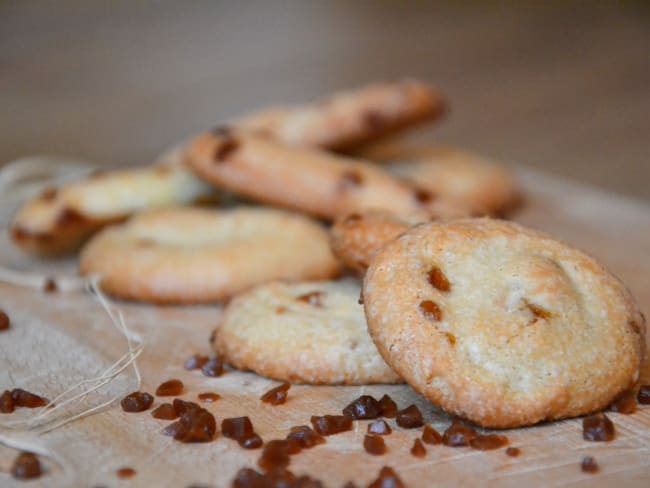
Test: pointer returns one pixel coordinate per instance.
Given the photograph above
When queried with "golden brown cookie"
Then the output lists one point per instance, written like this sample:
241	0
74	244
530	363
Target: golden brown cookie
192	255
309	180
347	119
357	237
452	173
60	219
303	332
501	324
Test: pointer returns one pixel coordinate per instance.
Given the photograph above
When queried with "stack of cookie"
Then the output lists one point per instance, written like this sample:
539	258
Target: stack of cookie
491	321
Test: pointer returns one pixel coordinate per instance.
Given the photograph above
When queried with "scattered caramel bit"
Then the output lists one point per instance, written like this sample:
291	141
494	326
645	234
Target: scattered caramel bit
364	407
513	451
24	398
5	323
305	436
254	441
374	445
538	311
643	397
458	435
137	401
166	411
379	427
438	280
236	428
431	310
170	388
410	417
281	309
248	478
7	402
26	466
331	424
125	473
182	406
387	479
598	428
418	449
281	477
313	298
208	397
488	442
431	435
213	368
195	425
626	404
196	362
173	429
589	465
225	149
360	301
351	179
423	196
241	430
293	446
277	395
274	456
388	407
50	286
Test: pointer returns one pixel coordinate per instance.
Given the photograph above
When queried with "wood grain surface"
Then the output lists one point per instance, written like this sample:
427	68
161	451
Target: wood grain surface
562	86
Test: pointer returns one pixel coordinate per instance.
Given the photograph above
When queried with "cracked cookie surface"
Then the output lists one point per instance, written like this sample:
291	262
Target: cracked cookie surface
501	324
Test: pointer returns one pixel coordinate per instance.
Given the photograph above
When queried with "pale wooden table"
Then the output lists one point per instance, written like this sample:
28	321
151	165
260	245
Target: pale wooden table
563	88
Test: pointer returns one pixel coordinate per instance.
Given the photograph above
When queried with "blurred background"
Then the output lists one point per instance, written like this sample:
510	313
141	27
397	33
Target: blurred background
564	87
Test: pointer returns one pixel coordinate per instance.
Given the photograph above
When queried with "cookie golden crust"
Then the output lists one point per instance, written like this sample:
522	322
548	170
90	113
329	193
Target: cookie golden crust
347	119
501	324
59	220
303	332
356	238
192	255
308	180
451	173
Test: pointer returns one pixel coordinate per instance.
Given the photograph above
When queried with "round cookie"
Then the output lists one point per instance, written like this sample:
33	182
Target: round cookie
303	332
501	324
193	255
309	180
451	173
350	118
60	219
356	238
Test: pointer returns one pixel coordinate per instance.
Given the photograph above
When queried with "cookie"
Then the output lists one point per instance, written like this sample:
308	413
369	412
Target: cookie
303	332
60	219
451	173
356	238
309	180
193	255
502	325
347	119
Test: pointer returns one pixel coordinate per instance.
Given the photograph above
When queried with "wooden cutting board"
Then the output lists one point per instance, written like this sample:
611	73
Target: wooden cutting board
59	339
